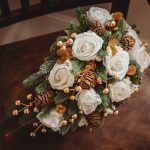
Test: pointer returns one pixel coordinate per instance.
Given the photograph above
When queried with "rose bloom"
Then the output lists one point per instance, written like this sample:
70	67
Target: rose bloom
61	76
100	14
51	120
86	46
88	100
117	64
120	90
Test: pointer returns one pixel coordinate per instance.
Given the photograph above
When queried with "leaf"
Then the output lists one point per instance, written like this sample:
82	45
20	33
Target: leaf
47	66
33	80
63	38
72	108
61	97
99	108
102	52
53	49
102	121
42	87
73	27
65	129
105	100
77	66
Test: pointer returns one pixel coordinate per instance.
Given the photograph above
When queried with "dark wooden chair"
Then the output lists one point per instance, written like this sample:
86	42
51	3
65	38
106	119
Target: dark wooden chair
48	6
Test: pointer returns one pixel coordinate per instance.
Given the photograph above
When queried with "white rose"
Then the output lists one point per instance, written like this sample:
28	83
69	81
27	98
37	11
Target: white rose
88	100
141	56
120	90
100	14
51	120
86	46
117	64
61	76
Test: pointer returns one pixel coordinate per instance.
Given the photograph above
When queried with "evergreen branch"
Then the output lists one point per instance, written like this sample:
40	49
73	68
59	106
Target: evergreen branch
53	49
77	66
73	27
105	100
65	129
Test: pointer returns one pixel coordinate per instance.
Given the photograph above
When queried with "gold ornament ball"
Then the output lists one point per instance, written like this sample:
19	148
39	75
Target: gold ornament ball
78	88
35	109
35	124
73	35
112	23
63	48
18	102
64	122
71	120
128	78
116	77
99	80
70	41
74	116
115	28
136	89
26	111
29	96
66	90
105	114
59	43
105	91
110	85
43	130
72	98
116	112
30	104
15	112
32	134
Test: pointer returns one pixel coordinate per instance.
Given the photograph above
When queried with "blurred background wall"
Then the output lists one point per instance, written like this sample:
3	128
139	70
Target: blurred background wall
139	14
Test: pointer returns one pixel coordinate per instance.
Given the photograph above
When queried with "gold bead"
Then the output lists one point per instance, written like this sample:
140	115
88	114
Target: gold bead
43	130
59	43
30	104
71	120
64	122
74	116
81	112
63	48
26	111
115	28
66	90
15	112
116	77
105	114
32	134
35	109
128	78
29	96
110	85
105	91
145	44
136	89
112	23
70	41
61	108
72	98
18	102
35	124
99	80
73	35
116	112
78	88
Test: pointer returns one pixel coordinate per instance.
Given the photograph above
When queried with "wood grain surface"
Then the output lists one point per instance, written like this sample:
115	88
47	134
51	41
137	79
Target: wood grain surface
130	130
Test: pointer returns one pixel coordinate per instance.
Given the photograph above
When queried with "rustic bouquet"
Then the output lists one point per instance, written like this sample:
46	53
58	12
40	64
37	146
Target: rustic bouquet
90	72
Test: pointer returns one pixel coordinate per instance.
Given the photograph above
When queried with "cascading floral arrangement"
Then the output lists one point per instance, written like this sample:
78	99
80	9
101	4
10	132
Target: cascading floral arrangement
90	72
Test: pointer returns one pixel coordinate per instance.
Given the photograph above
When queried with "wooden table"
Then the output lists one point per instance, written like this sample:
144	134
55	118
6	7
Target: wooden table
130	130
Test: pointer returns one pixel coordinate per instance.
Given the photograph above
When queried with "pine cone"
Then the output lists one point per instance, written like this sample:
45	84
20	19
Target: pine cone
128	42
44	98
94	118
96	27
88	80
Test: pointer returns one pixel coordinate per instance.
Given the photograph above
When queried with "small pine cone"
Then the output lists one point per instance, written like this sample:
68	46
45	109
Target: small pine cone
96	27
88	80
93	118
128	42
44	98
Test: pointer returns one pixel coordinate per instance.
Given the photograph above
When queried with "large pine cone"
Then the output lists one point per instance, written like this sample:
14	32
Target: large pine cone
128	42
88	80
44	98
96	27
94	118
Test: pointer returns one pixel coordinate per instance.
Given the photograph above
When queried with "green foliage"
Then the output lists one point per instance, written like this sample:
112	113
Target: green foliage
42	87
53	49
83	19
77	66
62	38
100	108
33	80
61	97
126	101
102	121
106	37
65	129
105	100
47	66
102	52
